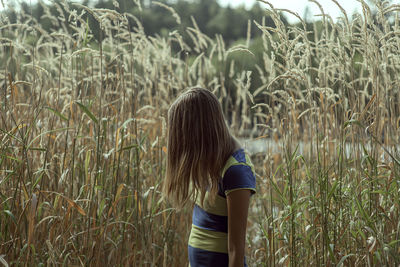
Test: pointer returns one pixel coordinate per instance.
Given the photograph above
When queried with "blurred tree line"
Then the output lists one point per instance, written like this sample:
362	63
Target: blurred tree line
230	22
211	17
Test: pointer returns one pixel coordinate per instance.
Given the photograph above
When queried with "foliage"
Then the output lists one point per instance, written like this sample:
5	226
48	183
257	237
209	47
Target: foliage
82	136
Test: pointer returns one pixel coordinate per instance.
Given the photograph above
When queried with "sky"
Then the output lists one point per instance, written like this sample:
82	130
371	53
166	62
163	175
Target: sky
299	6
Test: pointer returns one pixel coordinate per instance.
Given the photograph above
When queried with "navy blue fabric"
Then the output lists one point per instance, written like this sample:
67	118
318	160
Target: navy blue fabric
209	221
238	176
203	258
233	176
239	155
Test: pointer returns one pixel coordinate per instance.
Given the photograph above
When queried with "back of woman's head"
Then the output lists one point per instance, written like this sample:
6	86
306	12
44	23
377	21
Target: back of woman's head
199	143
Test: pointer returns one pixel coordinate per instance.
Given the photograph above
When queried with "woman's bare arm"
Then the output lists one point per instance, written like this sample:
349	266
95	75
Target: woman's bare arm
238	205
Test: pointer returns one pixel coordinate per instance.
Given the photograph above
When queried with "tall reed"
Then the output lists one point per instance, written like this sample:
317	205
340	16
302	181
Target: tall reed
82	130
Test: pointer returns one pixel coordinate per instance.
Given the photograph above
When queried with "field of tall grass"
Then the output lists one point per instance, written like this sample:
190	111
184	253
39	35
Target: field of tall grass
83	138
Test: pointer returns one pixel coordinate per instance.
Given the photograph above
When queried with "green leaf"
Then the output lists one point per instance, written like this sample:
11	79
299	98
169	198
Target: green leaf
86	40
128	147
3	261
44	133
12	158
330	250
87	162
9	213
38	148
362	211
281	196
88	112
38	179
343	259
333	189
11	135
5	179
61	116
101	207
394	242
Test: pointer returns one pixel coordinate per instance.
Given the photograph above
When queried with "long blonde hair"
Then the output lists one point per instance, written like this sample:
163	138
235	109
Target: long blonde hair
199	144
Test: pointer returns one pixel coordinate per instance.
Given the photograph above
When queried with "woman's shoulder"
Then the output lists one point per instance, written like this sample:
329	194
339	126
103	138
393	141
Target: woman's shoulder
238	172
238	157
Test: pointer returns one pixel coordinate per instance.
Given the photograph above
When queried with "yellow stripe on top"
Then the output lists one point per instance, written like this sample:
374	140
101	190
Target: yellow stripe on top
218	207
208	240
232	162
249	163
228	191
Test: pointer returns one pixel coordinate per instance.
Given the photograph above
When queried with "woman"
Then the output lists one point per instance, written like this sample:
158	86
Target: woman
206	164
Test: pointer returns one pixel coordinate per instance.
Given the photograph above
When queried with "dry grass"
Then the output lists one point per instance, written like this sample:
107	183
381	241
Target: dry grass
82	140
